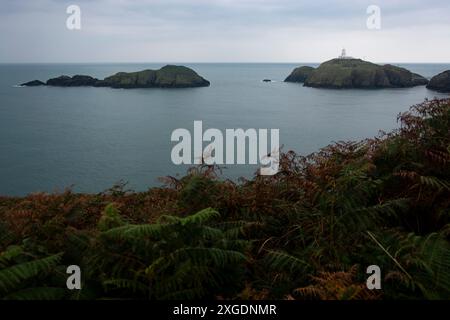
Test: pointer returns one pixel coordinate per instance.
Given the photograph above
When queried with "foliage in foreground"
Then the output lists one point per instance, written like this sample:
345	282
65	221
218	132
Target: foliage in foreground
308	232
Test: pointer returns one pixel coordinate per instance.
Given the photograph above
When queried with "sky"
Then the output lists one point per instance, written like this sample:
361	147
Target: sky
223	31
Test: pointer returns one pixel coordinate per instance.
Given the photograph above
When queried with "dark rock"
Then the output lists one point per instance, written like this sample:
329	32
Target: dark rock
33	83
75	81
401	77
418	80
167	77
441	82
357	73
300	74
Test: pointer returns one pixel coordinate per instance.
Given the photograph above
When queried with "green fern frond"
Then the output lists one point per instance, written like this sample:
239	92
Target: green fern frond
278	260
12	277
425	261
206	256
435	183
236	229
135	231
110	218
211	233
9	254
200	217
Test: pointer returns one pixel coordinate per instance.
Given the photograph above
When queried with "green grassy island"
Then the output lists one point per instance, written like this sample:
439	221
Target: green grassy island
169	76
348	73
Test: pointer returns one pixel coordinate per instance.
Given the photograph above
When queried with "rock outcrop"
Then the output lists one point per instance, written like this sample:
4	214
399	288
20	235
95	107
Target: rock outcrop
75	81
356	73
300	74
33	83
441	82
169	76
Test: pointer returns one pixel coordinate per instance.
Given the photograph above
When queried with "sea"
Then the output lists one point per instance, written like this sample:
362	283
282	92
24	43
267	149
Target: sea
88	139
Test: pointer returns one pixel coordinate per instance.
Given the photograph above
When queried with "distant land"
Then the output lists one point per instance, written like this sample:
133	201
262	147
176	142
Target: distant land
355	73
338	73
169	76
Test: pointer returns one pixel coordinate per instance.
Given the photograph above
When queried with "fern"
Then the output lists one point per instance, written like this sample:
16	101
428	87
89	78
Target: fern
110	218
200	217
340	285
135	231
279	260
435	183
13	276
173	250
424	262
204	256
382	201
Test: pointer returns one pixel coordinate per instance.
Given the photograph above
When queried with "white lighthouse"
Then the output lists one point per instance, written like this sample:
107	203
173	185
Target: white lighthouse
344	55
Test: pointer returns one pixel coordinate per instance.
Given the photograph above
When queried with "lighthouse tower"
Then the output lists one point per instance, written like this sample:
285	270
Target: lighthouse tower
344	55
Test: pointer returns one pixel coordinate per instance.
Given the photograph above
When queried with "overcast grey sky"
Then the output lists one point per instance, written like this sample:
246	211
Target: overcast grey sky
223	31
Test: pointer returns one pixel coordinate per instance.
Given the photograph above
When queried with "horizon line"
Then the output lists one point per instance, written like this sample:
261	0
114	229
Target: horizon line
207	62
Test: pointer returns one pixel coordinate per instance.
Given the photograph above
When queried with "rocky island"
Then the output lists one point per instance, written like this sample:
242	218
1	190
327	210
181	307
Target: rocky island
169	76
355	73
441	82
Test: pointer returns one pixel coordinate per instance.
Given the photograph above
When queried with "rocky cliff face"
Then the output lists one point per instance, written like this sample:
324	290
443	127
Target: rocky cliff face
300	74
401	77
357	73
167	77
441	82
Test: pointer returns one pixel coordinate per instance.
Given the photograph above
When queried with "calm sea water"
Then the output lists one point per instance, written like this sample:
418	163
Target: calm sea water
90	138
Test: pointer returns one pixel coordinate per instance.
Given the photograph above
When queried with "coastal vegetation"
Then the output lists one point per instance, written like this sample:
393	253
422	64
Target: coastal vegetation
308	232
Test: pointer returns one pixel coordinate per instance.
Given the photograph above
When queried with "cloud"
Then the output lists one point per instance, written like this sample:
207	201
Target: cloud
222	30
